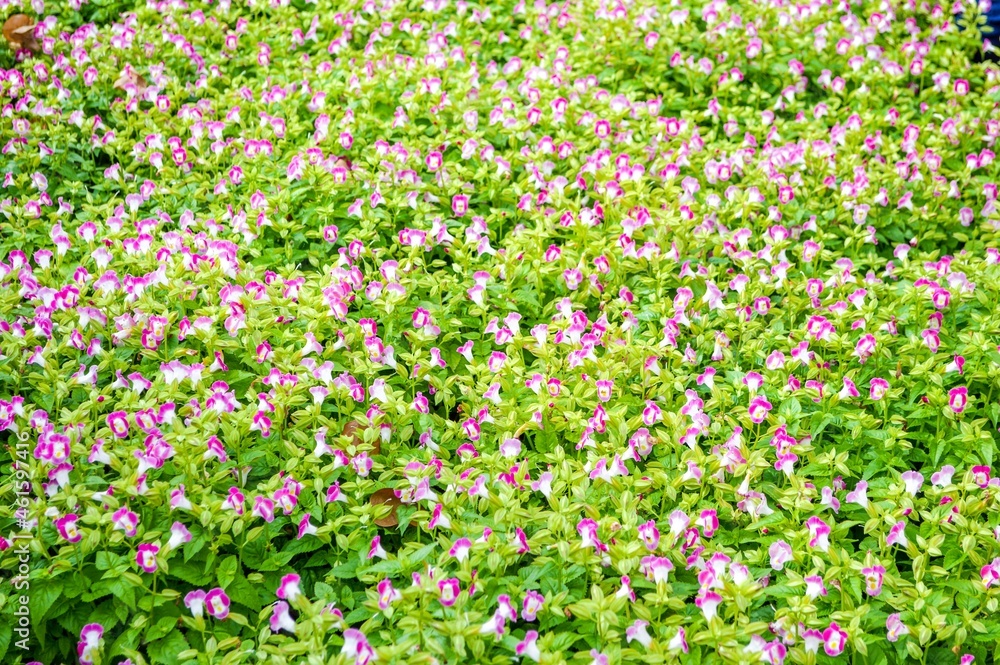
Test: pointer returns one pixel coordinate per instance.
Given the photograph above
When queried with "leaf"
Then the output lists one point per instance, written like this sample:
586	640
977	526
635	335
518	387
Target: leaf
43	596
106	560
790	408
275	561
75	585
988	449
123	591
309	544
324	591
421	554
241	591
387	567
358	615
191	572
6	632
162	626
226	571
165	650
127	641
346	570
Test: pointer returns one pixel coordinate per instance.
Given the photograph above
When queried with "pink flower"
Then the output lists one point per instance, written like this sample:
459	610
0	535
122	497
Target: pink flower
125	520
649	534
774	653
780	553
637	632
263	507
146	556
708	602
604	389
990	573
217	603
532	605
289	588
834	640
527	646
874	575
895	628
66	526
234	501
785	194
494	626
859	494
849	390
981	476
758	409
958	398
819	533
587	528
460	549
460	205
543	484
179	535
448	591
709	522
815	586
865	348
943	477
118	422
753	381
438	518
879	387
387	595
356	646
195	601
897	535
656	568
679	641
89	645
912	481
376	549
281	618
651	414
679	522
306	527
811	639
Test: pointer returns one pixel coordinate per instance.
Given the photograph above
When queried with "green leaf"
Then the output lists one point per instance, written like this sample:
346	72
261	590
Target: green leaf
191	572
43	595
123	591
127	641
162	626
790	408
346	570
6	632
226	571
241	591
358	615
165	650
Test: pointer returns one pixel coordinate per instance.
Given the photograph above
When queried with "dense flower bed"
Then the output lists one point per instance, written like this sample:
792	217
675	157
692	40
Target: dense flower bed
593	332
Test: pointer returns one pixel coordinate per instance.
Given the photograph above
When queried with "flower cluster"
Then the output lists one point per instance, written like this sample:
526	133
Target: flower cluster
609	331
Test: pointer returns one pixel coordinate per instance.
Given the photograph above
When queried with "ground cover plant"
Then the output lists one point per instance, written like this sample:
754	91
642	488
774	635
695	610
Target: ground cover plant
585	332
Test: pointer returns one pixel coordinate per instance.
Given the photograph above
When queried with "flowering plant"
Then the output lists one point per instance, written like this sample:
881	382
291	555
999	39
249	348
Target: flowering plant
602	331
